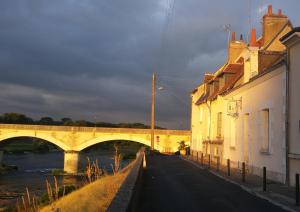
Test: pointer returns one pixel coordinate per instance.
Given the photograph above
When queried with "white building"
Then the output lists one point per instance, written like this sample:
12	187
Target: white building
292	41
240	111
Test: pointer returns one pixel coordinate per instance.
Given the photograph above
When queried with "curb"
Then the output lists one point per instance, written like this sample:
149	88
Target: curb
126	197
250	191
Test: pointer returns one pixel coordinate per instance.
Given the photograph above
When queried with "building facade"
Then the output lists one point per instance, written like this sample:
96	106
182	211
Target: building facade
292	41
239	112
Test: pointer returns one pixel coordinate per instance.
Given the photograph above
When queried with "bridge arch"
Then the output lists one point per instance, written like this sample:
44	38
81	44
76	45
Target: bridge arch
100	139
44	137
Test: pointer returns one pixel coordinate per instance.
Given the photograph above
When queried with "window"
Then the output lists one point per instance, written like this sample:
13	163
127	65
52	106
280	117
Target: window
219	125
265	130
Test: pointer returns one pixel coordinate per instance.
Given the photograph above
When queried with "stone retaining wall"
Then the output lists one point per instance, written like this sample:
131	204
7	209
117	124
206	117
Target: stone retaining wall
127	196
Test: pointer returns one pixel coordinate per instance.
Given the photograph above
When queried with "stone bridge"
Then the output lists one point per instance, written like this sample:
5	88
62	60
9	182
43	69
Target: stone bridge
74	139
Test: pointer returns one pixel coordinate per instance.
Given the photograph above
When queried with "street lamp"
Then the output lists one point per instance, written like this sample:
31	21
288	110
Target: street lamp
159	88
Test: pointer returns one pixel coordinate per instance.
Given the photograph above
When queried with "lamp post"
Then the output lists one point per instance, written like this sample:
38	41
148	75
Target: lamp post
153	111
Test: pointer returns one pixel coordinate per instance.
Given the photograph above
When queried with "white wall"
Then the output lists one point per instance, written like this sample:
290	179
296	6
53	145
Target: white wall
266	92
294	111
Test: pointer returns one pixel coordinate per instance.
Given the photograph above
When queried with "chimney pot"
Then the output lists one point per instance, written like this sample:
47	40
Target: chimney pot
253	37
280	12
233	36
270	10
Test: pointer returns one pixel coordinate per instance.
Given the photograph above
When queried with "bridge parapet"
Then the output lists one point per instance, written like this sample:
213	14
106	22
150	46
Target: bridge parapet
93	129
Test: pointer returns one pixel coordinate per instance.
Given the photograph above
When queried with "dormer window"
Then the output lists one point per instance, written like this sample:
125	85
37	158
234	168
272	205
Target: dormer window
216	86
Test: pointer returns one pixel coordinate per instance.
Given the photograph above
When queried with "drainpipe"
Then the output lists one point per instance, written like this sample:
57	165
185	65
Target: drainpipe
287	143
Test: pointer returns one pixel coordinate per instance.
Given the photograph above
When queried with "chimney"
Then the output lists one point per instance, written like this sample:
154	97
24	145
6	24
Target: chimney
233	36
270	10
253	42
235	48
272	25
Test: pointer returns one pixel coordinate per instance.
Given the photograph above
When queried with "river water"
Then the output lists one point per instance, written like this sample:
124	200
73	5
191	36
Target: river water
34	169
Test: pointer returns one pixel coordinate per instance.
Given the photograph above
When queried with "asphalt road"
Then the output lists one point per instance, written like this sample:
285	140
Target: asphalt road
172	184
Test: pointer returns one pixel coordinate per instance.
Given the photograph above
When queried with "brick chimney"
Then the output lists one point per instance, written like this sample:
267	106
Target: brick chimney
272	24
233	36
253	41
270	10
235	48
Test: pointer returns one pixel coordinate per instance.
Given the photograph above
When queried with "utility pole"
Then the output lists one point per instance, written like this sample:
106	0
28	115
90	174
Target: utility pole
153	111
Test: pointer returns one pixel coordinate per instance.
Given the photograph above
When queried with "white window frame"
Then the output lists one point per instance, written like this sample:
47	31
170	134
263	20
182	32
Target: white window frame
265	131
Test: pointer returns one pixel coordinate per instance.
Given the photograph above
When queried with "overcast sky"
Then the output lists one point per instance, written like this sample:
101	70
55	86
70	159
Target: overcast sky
93	59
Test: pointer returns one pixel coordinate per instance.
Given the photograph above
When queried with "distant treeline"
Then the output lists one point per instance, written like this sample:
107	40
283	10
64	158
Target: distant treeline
17	118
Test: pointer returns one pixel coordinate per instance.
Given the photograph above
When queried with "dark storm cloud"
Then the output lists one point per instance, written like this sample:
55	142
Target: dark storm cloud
93	59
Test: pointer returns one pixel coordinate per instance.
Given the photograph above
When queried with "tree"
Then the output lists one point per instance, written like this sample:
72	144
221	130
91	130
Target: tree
16	118
66	119
46	121
83	123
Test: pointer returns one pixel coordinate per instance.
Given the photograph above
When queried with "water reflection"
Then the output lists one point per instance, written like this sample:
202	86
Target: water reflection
34	169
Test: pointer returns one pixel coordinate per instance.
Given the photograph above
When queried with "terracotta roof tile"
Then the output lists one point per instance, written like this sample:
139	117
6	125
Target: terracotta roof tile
208	77
202	99
262	73
230	84
236	69
231	68
213	95
267	59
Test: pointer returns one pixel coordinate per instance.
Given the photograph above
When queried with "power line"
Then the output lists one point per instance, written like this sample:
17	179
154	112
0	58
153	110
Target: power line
250	20
161	85
169	13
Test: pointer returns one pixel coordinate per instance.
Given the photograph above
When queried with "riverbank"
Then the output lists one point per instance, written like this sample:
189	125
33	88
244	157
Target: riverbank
7	168
109	193
95	196
34	167
88	198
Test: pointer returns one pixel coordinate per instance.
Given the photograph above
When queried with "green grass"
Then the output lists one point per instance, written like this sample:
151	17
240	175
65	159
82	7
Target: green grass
124	147
95	196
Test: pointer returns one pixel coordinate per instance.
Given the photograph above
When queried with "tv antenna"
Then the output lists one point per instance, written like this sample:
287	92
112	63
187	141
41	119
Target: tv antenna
249	19
227	29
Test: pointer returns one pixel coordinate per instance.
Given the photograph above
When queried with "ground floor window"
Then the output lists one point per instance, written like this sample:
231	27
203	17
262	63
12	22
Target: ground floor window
265	130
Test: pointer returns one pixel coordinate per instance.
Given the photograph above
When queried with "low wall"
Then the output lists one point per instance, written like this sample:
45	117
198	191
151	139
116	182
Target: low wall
127	196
